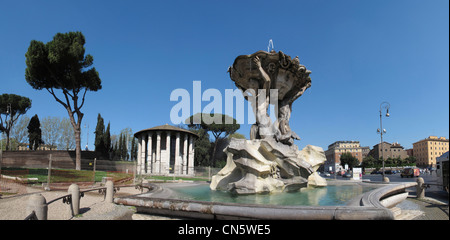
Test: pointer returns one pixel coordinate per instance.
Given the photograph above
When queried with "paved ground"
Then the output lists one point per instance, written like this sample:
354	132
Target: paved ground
92	206
433	207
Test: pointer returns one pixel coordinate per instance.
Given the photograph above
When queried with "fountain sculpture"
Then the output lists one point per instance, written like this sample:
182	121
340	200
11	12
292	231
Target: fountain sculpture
269	161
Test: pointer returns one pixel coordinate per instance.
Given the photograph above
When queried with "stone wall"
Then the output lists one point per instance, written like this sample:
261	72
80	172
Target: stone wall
61	159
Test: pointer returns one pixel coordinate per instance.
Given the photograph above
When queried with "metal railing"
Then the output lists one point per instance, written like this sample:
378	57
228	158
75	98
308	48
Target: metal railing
39	211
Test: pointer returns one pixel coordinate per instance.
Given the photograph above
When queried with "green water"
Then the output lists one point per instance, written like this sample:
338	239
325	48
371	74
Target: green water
326	196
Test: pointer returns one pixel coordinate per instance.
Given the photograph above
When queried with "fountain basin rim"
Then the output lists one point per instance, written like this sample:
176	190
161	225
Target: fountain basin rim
367	207
215	210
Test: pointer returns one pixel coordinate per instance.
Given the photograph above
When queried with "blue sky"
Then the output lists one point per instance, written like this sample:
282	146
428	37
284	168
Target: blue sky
361	53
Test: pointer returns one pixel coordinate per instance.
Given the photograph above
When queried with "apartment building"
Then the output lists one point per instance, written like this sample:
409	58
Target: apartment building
427	150
365	151
336	149
388	150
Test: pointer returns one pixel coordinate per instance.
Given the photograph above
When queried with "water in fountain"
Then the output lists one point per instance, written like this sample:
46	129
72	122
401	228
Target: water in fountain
333	195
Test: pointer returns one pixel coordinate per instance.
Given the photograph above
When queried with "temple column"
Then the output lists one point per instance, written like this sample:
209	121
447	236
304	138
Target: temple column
142	155
139	156
185	142
177	165
157	166
166	166
191	156
149	153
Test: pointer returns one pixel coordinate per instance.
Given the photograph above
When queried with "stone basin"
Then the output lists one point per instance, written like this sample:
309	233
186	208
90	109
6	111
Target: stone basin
371	205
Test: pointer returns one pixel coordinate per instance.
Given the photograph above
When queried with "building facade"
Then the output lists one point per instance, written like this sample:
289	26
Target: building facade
45	147
336	149
387	150
365	151
166	150
410	152
427	150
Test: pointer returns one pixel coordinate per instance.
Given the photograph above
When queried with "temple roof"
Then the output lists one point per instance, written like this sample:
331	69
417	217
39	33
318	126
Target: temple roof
165	127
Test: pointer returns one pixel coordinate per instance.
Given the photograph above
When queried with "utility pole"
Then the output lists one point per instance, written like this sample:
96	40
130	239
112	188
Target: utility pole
382	131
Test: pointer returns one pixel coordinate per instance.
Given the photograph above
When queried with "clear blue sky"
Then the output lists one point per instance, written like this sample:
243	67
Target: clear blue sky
361	53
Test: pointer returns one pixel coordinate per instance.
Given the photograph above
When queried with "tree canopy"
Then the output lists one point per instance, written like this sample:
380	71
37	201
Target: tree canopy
61	64
99	143
350	160
217	124
12	106
34	133
103	143
222	123
202	147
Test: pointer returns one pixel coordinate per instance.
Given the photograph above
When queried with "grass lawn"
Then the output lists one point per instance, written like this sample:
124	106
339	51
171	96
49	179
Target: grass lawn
62	175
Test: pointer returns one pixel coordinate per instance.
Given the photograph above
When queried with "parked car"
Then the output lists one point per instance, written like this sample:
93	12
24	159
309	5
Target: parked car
347	175
410	172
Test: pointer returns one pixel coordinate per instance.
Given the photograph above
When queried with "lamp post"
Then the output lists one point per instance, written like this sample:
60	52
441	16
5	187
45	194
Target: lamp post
8	112
87	137
382	131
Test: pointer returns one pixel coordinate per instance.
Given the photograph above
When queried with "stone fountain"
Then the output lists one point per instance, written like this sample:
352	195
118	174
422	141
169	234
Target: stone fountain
270	161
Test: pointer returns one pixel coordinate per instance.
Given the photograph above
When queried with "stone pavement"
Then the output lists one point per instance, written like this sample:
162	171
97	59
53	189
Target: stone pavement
92	206
433	207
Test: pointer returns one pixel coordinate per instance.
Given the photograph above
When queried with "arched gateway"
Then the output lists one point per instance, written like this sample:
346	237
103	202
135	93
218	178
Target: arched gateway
165	150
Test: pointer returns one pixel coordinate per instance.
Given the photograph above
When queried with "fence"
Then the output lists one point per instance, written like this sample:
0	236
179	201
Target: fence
206	172
60	159
66	160
38	206
11	181
14	180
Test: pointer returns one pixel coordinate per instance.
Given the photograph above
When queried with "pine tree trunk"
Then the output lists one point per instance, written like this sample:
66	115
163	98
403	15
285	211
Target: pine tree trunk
77	149
7	140
213	157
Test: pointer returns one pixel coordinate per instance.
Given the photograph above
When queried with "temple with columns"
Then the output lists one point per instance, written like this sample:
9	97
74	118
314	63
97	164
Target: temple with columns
165	150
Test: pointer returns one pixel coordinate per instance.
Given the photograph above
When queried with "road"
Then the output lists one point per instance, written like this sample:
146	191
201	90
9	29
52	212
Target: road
430	179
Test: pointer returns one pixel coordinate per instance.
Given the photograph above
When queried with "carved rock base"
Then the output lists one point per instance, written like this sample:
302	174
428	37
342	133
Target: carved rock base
267	166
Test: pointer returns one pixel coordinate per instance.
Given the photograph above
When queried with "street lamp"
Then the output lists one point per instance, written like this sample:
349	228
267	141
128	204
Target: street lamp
87	137
382	131
8	112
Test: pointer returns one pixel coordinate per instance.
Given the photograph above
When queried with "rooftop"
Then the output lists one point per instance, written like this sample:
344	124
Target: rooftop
165	127
434	138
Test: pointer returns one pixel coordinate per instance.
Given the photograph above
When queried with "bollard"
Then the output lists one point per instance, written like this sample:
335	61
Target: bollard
385	179
420	188
74	190
109	191
38	204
